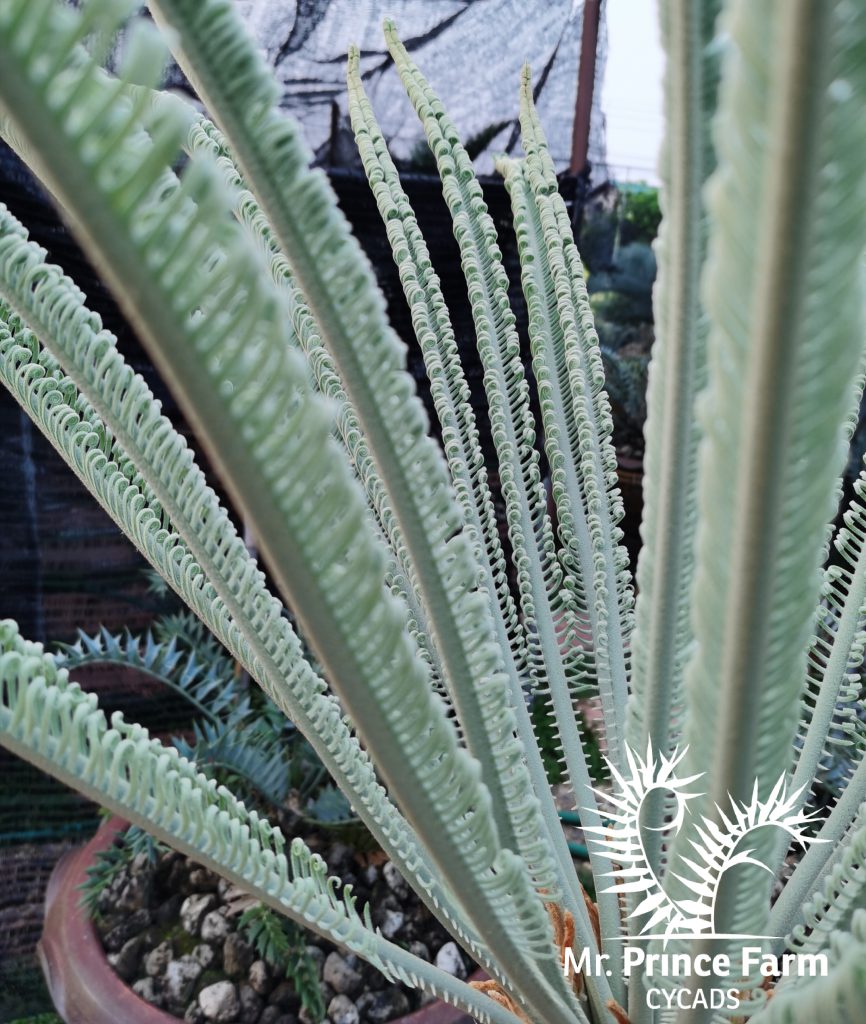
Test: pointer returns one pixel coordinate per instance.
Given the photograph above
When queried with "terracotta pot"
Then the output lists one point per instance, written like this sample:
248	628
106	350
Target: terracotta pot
85	989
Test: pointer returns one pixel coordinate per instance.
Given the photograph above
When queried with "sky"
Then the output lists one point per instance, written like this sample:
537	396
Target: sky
631	92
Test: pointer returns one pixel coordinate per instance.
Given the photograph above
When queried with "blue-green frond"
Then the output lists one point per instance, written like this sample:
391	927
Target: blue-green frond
61	728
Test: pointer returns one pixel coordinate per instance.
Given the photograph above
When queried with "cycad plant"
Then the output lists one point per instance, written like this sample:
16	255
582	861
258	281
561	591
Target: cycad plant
720	687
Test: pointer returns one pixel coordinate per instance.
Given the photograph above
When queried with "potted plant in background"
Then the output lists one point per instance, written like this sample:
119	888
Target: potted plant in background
180	937
242	280
617	230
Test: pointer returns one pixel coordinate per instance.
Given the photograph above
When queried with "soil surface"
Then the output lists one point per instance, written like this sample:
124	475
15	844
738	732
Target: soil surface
170	930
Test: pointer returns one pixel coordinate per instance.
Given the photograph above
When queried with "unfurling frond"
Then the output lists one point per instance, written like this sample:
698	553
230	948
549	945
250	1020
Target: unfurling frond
838	996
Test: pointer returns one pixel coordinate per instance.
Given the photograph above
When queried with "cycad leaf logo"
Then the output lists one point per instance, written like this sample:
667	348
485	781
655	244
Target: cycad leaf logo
721	844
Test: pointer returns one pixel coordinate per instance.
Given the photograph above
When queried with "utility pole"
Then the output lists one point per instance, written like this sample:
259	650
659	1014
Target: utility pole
579	165
585	86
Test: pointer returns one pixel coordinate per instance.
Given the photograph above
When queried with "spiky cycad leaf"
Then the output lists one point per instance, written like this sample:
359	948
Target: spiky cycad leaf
839	996
677	374
338	284
839	829
228	737
449	388
206	138
460	440
544	597
282	670
841	893
52	722
239	750
561	415
836	654
785	249
576	420
211	322
207	686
